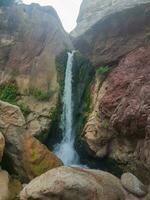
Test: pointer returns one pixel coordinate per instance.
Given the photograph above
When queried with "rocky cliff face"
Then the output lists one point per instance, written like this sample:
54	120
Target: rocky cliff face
114	29
93	11
116	34
118	124
31	37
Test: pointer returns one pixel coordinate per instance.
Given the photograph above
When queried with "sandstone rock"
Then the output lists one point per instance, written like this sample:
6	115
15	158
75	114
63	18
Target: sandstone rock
38	120
96	132
31	38
74	183
132	184
27	157
108	30
39	127
120	120
2	145
12	126
37	159
10	115
4	181
93	11
31	45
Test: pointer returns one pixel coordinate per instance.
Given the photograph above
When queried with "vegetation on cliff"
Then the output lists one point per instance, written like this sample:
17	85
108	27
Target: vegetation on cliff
9	92
83	74
39	94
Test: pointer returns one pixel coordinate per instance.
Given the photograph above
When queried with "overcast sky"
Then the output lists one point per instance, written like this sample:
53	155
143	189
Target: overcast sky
67	10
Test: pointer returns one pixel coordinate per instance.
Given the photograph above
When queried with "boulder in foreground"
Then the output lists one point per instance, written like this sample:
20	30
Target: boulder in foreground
69	183
27	157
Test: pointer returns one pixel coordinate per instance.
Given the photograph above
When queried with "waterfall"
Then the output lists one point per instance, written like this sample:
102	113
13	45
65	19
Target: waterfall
65	150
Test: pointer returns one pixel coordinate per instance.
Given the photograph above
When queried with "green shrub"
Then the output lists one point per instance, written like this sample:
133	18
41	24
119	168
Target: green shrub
39	94
103	70
9	92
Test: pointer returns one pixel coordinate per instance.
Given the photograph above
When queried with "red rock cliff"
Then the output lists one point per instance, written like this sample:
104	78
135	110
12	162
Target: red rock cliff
118	125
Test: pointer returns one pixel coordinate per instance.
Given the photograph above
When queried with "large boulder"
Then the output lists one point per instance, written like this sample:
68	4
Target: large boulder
2	145
37	159
24	155
74	183
107	30
12	126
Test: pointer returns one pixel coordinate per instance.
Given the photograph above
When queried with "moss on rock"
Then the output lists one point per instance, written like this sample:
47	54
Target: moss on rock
83	75
37	158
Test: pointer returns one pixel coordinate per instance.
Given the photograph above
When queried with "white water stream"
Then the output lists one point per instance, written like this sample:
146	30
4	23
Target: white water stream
65	150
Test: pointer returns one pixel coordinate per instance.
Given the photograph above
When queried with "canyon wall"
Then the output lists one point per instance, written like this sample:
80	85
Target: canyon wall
119	27
114	35
31	37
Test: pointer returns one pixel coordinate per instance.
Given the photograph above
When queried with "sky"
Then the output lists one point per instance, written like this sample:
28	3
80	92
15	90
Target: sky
67	10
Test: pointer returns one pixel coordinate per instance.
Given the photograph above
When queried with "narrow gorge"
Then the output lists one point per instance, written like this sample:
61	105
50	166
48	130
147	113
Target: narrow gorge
75	108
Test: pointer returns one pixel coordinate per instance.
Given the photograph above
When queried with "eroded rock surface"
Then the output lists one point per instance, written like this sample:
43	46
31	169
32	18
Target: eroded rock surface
107	30
37	159
31	38
93	11
24	155
119	124
74	183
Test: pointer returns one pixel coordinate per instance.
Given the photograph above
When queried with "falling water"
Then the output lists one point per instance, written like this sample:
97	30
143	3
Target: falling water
65	150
